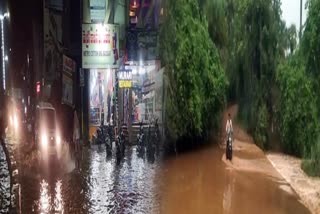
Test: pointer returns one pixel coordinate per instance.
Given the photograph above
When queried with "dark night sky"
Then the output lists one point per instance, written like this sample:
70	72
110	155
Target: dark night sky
22	13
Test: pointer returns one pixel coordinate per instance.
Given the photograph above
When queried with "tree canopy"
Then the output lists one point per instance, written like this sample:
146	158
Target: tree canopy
197	84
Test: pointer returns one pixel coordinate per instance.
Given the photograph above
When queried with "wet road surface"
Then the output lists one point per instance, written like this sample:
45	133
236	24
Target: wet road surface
200	182
195	182
102	186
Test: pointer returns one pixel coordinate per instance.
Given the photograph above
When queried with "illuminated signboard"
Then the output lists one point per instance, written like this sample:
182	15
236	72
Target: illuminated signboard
125	78
100	46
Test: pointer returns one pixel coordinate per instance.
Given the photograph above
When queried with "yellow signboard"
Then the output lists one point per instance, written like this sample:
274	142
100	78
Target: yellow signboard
125	83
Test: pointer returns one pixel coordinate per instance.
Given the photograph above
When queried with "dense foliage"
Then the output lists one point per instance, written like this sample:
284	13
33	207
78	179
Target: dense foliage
196	80
274	79
298	109
312	164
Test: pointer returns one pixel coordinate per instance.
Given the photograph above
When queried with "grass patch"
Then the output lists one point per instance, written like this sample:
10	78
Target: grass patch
311	167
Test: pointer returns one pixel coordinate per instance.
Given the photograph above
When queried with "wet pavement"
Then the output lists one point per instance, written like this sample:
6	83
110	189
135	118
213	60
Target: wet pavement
195	182
4	183
103	185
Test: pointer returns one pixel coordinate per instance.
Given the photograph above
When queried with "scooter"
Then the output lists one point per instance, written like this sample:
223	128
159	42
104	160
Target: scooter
229	147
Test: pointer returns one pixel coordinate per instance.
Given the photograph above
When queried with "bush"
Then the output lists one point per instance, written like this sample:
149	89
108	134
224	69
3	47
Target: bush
298	110
260	134
311	165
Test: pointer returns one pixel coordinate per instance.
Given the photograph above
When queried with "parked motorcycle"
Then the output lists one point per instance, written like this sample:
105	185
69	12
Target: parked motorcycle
229	147
150	143
157	132
120	144
108	141
140	139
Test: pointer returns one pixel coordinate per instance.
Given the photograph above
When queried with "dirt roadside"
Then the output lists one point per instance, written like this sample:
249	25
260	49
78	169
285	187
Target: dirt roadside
307	188
280	167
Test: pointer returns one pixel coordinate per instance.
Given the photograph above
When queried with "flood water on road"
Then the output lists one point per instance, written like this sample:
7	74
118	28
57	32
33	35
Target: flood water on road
195	182
200	182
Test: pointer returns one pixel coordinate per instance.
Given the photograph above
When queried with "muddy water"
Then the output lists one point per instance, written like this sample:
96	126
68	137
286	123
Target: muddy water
200	182
197	182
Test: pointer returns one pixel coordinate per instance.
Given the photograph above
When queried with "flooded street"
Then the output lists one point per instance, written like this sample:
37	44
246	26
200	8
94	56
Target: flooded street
201	182
195	182
102	186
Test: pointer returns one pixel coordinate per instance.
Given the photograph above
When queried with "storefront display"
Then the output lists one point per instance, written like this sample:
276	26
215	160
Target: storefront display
101	93
146	92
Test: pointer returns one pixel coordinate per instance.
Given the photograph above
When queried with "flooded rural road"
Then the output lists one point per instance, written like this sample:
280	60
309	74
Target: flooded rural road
196	182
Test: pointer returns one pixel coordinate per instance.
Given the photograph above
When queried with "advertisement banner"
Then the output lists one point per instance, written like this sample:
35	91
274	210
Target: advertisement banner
67	96
100	95
100	46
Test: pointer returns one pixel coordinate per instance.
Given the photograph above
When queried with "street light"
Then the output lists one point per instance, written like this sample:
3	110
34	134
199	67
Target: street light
2	17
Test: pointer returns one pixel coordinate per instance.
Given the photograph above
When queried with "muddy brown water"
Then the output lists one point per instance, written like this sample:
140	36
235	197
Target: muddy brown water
195	182
201	183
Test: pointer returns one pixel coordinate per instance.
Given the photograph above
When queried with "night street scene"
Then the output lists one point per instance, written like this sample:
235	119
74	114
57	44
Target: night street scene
160	106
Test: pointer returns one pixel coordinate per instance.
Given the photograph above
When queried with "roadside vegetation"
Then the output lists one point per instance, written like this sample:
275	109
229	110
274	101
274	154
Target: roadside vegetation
243	52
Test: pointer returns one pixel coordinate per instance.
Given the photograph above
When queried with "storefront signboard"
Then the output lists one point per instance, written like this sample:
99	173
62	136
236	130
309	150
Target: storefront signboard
67	89
100	46
142	45
69	66
54	4
97	10
125	78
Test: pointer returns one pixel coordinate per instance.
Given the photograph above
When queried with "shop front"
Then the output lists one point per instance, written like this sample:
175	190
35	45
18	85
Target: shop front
100	59
147	91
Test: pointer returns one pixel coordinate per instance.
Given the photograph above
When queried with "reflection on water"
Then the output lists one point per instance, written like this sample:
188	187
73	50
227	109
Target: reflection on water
125	187
58	203
197	182
46	198
228	191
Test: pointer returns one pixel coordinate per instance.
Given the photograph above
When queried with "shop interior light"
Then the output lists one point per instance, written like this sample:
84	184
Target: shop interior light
132	13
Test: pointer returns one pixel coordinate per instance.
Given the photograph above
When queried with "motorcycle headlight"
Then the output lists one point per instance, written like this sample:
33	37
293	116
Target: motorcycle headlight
44	140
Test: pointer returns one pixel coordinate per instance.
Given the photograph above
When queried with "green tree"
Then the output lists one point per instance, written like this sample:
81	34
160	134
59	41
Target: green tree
310	46
196	80
298	109
292	38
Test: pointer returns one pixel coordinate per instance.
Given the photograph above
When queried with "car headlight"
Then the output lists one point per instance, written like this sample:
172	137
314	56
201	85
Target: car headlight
44	140
58	139
15	121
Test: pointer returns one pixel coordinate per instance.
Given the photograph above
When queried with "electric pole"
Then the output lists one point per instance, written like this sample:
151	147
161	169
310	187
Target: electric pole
300	31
